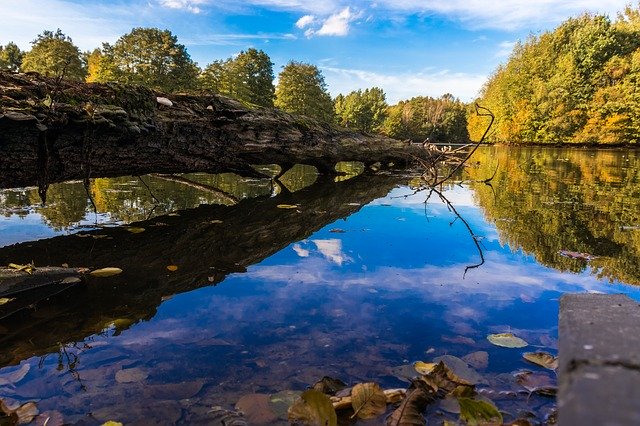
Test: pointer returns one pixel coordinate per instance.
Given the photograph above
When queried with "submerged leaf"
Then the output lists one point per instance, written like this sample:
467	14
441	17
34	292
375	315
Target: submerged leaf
256	409
459	371
172	268
409	413
538	383
281	401
105	272
5	300
287	206
424	367
313	408
368	400
507	340
26	413
475	412
543	359
479	359
131	375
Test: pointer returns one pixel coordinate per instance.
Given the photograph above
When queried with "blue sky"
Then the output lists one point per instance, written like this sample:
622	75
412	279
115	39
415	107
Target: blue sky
407	47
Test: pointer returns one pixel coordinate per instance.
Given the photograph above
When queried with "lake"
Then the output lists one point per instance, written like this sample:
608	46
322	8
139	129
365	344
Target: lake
247	291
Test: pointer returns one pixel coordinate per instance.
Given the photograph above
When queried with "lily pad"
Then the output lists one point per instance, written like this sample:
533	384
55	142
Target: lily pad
507	340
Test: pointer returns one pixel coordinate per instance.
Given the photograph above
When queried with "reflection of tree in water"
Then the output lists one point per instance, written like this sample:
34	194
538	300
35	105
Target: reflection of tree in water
549	200
66	204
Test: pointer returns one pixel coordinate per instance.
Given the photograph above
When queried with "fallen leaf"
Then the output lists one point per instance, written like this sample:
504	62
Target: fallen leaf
71	280
459	340
215	221
424	367
543	359
329	386
507	340
313	408
368	400
459	371
409	413
15	376
403	372
5	300
135	229
28	268
256	409
478	359
538	383
105	272
131	375
172	268
287	206
27	412
112	423
475	412
50	418
221	416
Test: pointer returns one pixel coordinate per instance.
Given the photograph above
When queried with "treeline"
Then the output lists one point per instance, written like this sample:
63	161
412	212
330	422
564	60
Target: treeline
154	58
576	84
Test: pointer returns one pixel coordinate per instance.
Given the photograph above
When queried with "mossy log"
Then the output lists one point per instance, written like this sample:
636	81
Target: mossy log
52	130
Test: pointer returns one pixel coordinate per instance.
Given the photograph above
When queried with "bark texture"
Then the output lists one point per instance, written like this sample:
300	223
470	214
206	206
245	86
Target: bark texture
52	131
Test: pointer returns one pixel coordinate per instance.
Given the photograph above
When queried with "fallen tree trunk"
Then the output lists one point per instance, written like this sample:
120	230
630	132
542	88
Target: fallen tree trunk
53	131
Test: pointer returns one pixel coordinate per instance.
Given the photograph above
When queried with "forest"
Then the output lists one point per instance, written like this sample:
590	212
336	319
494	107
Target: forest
575	84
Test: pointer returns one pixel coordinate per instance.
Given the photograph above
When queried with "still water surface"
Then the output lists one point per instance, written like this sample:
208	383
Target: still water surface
357	282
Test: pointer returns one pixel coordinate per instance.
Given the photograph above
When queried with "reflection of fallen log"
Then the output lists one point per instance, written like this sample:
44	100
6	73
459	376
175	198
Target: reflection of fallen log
206	244
94	130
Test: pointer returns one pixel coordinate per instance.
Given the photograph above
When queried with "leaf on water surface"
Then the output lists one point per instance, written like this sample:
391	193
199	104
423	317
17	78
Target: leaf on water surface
543	359
281	401
368	400
313	408
256	409
135	229
475	412
409	413
424	367
112	423
15	376
131	375
287	206
26	413
329	385
479	359
71	280
507	340
50	418
215	221
403	372
5	300
538	383
105	272
337	231
459	371
172	268
220	416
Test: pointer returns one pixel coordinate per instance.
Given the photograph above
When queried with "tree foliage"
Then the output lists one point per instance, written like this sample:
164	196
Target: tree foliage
363	110
440	119
301	90
577	83
146	56
10	57
54	55
248	78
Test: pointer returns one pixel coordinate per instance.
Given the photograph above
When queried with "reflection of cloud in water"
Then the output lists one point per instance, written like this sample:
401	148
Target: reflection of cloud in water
302	252
331	249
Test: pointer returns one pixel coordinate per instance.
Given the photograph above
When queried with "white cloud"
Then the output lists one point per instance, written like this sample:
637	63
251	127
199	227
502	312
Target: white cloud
405	85
192	6
338	24
305	21
331	249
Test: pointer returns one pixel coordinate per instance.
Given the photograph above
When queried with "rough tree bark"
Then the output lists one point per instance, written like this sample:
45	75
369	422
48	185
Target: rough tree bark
53	130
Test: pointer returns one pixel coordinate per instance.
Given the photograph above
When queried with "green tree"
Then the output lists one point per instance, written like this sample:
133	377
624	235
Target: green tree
54	55
150	57
301	90
248	78
363	110
11	57
99	68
